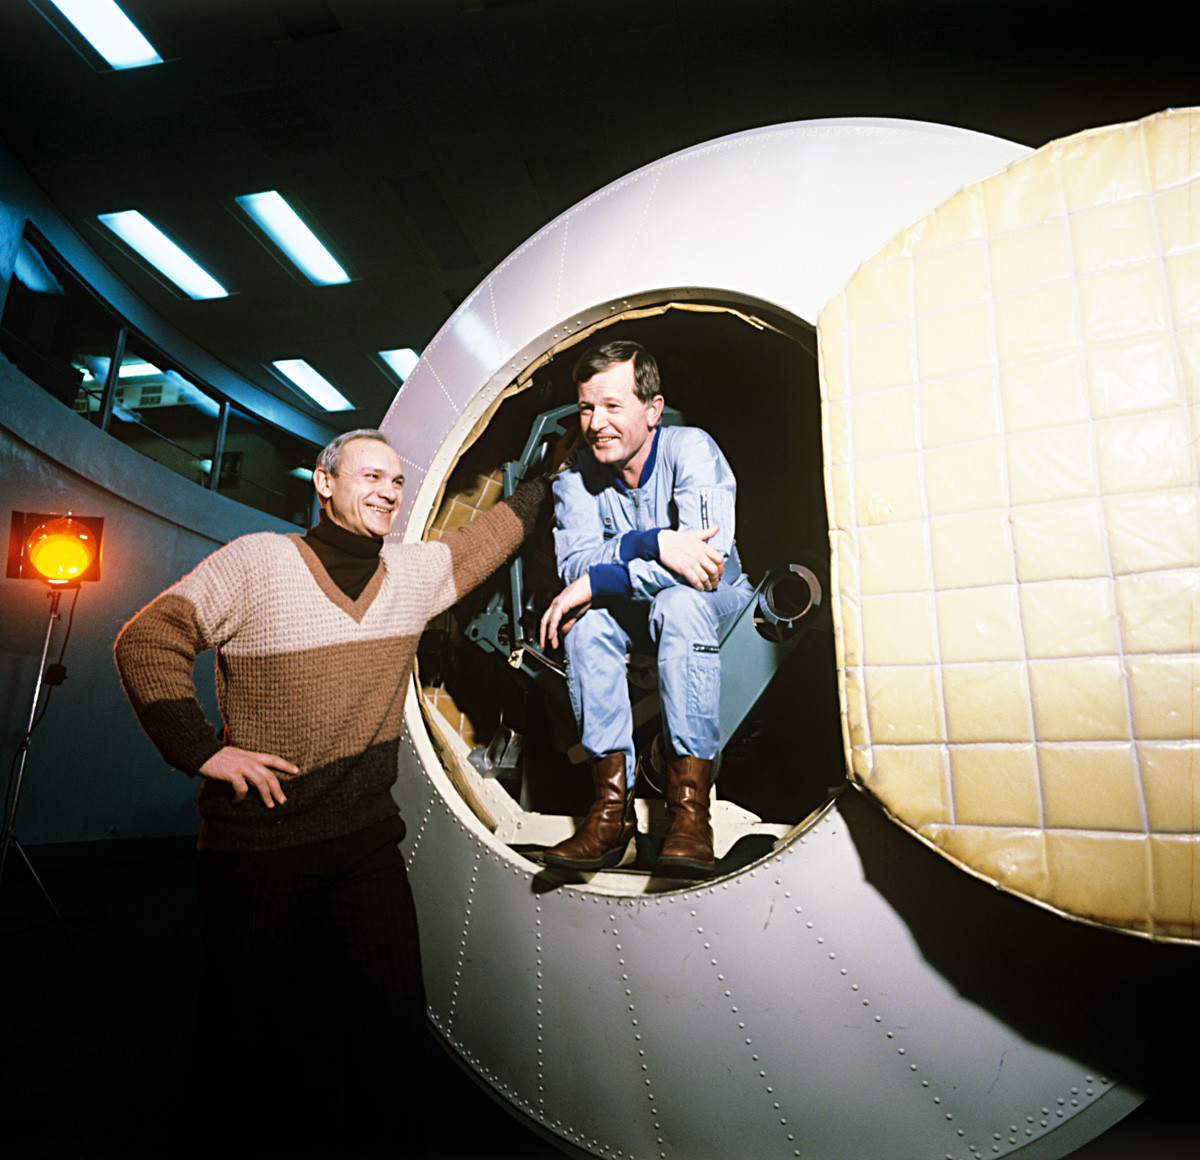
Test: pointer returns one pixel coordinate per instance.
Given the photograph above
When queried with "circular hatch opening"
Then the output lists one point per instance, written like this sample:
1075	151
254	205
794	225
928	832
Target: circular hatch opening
748	376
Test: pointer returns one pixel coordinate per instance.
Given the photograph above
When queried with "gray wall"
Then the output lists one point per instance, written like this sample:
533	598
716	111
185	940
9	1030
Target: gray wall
91	773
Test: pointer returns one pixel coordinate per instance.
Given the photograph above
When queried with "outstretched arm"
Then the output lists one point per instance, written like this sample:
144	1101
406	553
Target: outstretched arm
478	548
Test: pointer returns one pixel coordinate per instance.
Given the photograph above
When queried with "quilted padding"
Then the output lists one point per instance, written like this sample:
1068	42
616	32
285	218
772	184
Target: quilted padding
1011	408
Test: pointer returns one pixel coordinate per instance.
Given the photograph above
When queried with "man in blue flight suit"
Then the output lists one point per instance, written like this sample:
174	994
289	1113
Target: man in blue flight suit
644	526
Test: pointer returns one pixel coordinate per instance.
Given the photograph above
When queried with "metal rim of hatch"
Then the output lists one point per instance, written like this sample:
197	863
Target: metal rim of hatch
859	179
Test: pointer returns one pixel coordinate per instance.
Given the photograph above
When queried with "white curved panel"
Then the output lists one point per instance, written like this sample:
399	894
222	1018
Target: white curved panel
789	1010
753	214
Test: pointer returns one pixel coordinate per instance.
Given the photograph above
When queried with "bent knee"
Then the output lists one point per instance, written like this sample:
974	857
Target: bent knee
683	609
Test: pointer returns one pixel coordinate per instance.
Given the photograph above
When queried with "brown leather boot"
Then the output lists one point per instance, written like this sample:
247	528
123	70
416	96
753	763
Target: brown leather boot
603	836
687	850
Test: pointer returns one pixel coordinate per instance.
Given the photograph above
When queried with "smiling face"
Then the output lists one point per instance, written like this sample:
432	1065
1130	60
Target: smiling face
364	496
617	425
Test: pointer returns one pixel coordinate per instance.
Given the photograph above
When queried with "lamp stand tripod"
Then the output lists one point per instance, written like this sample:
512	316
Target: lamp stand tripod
10	819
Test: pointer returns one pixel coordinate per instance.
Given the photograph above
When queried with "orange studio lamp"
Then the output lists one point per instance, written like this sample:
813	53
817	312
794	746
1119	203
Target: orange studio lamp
62	550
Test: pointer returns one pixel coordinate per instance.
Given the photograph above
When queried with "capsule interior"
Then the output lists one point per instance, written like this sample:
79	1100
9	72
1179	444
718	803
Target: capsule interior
747	375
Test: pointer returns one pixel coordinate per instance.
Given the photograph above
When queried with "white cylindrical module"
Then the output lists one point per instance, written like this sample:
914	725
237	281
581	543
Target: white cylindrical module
817	1003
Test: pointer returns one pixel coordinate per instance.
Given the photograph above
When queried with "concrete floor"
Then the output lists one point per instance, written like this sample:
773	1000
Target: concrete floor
96	1031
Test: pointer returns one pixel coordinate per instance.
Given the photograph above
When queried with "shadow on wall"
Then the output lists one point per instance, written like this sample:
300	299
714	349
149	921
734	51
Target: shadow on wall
1118	1003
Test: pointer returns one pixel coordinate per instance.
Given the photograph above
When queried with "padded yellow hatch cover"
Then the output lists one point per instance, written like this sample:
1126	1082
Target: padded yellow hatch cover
1011	398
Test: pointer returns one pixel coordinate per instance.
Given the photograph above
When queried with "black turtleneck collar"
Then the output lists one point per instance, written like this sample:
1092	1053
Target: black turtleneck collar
350	559
343	539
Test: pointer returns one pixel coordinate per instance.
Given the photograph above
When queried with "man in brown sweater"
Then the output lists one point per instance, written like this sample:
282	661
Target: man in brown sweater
308	931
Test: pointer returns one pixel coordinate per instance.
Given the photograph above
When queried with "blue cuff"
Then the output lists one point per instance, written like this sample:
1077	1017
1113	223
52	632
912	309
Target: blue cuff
610	580
640	545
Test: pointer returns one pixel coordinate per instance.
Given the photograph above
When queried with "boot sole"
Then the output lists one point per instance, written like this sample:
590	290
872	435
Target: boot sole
684	868
611	859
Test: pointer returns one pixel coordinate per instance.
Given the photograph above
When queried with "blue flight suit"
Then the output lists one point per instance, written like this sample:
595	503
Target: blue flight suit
611	531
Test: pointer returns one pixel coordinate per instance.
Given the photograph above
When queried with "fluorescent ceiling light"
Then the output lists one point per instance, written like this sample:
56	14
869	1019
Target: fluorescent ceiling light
109	31
147	239
401	361
315	386
272	214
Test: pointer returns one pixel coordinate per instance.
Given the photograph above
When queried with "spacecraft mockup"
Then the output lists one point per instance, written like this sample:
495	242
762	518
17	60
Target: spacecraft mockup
1001	487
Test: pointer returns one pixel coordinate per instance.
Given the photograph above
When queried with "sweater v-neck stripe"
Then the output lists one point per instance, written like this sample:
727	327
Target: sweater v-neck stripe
356	609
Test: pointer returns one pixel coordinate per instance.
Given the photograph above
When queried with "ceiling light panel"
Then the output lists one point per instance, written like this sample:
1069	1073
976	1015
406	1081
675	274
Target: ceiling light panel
110	32
313	384
280	222
143	236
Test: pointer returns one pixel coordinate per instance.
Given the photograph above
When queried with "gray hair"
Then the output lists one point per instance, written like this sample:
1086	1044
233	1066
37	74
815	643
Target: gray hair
330	459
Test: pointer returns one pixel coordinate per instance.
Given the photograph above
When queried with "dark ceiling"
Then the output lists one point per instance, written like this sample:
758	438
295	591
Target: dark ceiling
429	138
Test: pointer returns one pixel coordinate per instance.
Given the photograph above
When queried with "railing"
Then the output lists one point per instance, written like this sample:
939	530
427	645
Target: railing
63	337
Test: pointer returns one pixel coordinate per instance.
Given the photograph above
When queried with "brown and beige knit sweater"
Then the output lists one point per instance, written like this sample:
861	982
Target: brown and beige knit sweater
303	672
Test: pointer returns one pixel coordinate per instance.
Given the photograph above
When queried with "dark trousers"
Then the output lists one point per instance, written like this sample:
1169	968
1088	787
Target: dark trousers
311	1017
